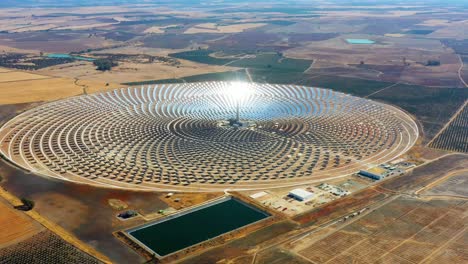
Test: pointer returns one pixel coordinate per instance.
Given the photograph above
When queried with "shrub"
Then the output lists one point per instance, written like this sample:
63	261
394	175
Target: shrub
26	206
104	64
433	63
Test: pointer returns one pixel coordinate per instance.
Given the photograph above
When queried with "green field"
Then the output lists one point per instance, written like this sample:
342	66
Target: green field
201	56
216	76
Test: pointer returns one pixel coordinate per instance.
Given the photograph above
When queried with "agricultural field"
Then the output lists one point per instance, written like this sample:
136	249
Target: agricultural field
131	69
44	247
13	76
456	185
280	256
402	231
15	226
248	41
243	245
432	107
426	174
453	137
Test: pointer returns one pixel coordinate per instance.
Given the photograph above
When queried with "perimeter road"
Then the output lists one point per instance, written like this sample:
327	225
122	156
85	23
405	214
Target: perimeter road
460	71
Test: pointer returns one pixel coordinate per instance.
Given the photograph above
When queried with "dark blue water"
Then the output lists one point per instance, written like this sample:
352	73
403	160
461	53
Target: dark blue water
195	227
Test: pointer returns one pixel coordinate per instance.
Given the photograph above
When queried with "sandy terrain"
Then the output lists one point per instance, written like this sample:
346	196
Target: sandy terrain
15	226
214	28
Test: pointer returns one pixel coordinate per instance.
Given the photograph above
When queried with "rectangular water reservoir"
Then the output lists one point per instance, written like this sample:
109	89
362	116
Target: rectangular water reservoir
194	226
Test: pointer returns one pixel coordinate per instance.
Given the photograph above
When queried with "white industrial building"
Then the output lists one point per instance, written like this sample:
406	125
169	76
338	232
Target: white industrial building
301	195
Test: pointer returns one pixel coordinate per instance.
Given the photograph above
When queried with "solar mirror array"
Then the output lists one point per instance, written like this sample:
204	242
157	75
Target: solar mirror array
177	136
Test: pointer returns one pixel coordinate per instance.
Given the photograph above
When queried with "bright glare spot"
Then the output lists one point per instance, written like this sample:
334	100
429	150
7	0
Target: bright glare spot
239	90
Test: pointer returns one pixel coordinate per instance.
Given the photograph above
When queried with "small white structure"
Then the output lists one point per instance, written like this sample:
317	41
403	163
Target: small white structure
258	195
301	195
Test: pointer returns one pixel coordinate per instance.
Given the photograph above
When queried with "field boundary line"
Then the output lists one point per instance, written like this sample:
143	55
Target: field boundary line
383	89
460	70
454	116
248	74
34	79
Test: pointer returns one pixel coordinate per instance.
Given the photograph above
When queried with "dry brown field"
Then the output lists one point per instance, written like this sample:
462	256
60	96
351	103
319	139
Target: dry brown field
44	90
12	76
24	87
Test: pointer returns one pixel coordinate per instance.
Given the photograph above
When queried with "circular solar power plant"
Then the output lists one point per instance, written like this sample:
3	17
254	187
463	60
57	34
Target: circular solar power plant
206	136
